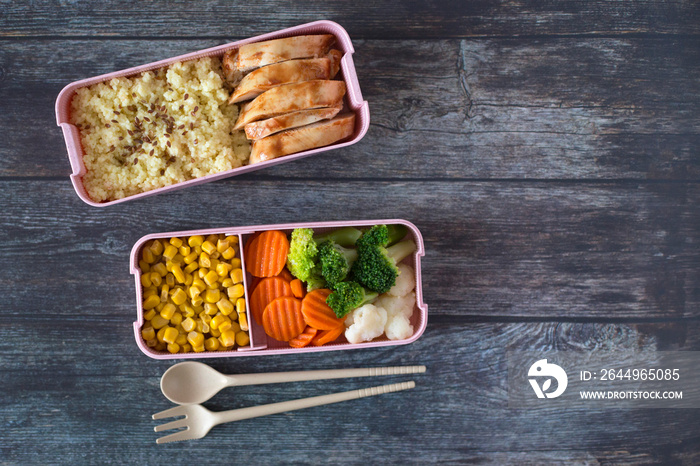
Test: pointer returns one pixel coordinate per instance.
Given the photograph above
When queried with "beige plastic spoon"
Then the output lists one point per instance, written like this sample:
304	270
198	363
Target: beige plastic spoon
193	382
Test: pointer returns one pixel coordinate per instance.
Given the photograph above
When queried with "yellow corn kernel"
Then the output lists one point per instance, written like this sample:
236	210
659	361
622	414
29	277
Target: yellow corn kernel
178	259
170	334
208	247
210	309
195	240
206	318
235	291
197	301
215	258
150	291
150	314
222	269
146	280
160	269
170	280
229	253
161	346
203	327
179	296
195	339
237	275
144	266
186	348
235	327
191	257
211	344
188	324
228	338
226	282
161	334
188	311
197	250
159	307
212	296
213	238
204	260
148	333
151	302
191	267
242	338
240	306
169	252
157	247
148	256
184	250
201	273
165	289
175	241
168	311
181	339
225	306
217	320
152	342
235	263
193	291
215	332
243	321
189	278
173	348
199	284
198	349
233	239
222	245
156	279
225	325
176	319
178	273
211	278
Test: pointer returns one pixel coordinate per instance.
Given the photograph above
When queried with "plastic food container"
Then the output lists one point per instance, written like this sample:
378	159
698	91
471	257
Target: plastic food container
353	102
260	343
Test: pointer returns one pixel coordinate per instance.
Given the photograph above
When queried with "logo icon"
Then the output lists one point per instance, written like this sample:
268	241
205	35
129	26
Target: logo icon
542	368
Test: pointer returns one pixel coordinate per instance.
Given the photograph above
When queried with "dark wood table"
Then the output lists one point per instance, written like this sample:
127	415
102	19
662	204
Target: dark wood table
548	152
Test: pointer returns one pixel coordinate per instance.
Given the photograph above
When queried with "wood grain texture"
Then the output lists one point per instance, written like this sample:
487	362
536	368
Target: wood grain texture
472	109
96	407
385	20
534	249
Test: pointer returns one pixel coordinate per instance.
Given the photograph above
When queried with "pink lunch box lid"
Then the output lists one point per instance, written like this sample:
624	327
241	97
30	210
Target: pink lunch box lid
354	102
260	343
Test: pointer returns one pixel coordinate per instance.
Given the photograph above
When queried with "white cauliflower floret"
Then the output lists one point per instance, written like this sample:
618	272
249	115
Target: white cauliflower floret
398	327
405	282
399	311
397	305
365	323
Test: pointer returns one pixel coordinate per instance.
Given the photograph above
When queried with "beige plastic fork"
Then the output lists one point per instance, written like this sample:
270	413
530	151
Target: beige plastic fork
199	420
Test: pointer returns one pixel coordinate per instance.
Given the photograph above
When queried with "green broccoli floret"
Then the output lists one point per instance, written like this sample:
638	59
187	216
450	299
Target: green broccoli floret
335	262
382	235
302	259
375	267
347	297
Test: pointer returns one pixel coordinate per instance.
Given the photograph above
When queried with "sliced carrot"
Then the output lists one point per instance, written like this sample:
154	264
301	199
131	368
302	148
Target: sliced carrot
297	288
327	336
246	248
267	254
282	318
265	292
304	338
316	312
286	274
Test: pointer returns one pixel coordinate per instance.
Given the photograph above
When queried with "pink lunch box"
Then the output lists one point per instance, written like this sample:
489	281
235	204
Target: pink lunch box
260	343
353	102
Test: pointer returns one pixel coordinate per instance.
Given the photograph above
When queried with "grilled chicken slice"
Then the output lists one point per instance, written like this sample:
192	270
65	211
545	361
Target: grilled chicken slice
263	128
287	72
237	63
307	137
335	57
291	98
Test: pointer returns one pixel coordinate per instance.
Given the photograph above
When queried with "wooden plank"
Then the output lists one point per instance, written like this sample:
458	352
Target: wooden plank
384	20
567	250
476	109
96	406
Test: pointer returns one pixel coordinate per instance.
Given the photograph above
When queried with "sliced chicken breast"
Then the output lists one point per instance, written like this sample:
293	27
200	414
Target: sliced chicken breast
307	137
291	98
287	72
251	56
263	128
335	56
